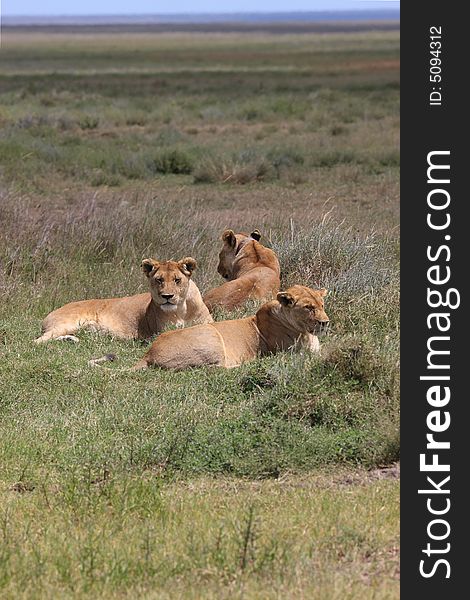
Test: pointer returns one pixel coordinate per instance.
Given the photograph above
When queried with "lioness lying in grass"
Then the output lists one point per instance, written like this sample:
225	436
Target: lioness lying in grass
174	299
293	320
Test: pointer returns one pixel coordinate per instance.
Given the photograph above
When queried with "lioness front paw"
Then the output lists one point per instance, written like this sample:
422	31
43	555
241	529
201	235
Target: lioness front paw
68	338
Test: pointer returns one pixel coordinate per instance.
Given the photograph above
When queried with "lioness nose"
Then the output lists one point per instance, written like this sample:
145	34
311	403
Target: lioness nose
167	296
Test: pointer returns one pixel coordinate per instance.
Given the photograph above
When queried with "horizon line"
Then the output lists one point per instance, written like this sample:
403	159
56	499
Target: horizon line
385	8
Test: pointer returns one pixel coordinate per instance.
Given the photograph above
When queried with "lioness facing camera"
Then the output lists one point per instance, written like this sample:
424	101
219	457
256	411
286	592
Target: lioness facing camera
252	271
174	299
293	320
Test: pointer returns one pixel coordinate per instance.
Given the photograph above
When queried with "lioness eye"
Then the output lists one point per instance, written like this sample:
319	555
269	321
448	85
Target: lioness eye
160	281
178	280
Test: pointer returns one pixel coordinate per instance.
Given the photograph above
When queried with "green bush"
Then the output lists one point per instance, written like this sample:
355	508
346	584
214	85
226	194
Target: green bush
177	162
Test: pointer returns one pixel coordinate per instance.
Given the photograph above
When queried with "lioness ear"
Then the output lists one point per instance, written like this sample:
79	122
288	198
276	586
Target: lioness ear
228	237
285	298
148	265
323	292
256	235
187	265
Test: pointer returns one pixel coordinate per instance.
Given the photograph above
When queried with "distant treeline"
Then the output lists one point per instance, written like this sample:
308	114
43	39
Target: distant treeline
285	27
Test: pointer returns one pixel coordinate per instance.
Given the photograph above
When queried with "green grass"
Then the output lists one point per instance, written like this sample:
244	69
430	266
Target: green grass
130	536
280	412
260	481
259	420
101	113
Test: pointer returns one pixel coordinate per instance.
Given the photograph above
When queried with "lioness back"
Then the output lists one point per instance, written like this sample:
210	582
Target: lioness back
222	344
252	272
199	346
122	317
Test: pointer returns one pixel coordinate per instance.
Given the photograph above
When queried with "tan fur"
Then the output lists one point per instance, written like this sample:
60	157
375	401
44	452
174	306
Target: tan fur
252	271
174	299
292	321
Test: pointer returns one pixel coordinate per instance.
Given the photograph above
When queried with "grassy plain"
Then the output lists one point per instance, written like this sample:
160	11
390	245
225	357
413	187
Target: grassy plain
262	482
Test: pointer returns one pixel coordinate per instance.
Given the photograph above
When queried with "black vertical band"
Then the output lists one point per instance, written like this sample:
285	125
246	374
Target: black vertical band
434	255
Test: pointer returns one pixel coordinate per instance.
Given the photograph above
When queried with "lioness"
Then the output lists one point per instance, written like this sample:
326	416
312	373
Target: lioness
251	269
173	299
293	320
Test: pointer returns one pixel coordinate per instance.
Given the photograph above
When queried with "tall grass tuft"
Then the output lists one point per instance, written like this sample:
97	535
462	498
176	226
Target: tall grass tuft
245	167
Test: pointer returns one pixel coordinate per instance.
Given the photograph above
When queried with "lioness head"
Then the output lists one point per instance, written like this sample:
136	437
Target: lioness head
304	308
169	280
233	242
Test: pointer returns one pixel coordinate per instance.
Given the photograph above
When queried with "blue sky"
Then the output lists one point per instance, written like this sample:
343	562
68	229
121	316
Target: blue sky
90	7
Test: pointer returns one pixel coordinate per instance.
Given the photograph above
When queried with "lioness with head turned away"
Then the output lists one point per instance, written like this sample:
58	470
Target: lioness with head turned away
252	271
174	299
292	321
